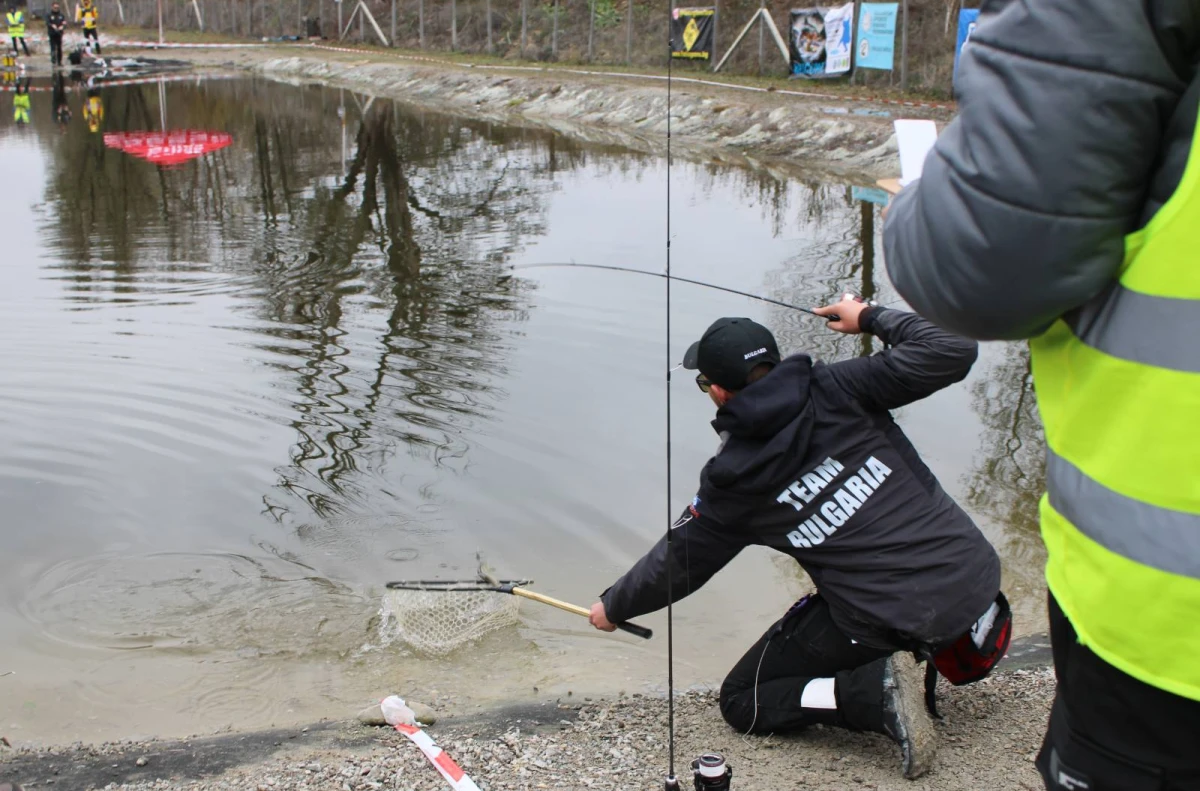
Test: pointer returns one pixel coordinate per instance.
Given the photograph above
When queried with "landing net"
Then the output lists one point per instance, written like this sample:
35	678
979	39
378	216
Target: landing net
436	617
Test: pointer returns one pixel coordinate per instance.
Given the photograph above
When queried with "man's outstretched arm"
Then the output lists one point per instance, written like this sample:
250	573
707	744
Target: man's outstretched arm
699	548
923	358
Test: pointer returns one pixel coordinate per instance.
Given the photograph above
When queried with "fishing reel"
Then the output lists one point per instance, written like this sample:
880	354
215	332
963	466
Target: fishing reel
711	773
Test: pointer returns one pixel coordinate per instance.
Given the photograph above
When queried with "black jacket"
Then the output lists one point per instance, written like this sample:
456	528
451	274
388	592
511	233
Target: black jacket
811	464
56	23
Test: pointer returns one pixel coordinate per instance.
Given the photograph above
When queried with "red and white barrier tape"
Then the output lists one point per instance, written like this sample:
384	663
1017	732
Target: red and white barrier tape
118	42
8	88
441	760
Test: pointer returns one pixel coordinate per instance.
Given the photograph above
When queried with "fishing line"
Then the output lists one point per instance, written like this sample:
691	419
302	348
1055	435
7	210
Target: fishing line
669	277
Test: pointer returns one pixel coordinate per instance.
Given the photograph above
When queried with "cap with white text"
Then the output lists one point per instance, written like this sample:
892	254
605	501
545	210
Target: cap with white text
730	349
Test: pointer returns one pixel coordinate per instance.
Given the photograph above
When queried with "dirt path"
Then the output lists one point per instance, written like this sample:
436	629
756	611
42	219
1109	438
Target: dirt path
738	124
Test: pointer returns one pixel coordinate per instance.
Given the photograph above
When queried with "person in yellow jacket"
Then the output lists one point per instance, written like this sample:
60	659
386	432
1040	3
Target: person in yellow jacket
21	102
88	15
16	29
93	110
1063	205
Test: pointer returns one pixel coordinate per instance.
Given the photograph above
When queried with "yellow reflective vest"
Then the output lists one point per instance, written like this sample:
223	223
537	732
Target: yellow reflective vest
21	108
1118	386
88	15
16	23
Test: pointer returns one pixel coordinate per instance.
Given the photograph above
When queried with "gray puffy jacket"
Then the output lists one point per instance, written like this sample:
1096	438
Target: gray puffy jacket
1075	122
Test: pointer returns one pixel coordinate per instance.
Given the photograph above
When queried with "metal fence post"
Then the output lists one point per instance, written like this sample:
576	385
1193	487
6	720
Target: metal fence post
421	22
554	34
339	18
524	26
487	9
762	32
393	23
629	35
904	50
712	58
591	27
453	24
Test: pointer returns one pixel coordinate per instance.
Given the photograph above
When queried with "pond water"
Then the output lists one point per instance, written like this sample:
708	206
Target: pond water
242	392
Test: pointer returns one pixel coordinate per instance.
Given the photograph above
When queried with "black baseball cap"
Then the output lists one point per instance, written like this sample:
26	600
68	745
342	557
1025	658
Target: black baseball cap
729	349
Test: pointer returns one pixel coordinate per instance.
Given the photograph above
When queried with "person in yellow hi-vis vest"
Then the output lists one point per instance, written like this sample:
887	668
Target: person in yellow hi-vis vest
16	29
21	102
88	15
93	110
1063	205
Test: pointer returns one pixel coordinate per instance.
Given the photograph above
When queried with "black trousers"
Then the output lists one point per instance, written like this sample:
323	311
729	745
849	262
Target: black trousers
21	41
762	694
94	35
56	49
1110	732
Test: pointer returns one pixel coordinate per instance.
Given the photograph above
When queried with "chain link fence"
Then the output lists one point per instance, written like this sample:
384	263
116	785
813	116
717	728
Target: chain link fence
601	32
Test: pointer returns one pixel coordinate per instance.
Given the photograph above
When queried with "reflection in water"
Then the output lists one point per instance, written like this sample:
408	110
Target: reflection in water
244	392
1012	475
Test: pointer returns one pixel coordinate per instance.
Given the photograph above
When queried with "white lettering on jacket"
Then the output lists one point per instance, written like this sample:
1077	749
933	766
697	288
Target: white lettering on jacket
835	510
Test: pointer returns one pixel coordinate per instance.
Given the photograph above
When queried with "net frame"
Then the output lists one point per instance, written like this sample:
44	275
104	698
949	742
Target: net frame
435	617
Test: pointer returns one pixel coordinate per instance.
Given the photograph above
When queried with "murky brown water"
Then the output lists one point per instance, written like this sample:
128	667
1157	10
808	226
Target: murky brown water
241	394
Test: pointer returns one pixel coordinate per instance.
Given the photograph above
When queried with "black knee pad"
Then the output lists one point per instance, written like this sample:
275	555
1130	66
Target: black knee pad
1069	761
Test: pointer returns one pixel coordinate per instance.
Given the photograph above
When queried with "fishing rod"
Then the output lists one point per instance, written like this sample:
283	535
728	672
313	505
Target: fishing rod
669	277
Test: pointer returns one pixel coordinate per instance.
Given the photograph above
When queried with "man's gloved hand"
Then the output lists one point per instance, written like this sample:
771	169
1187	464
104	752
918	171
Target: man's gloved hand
599	618
848	311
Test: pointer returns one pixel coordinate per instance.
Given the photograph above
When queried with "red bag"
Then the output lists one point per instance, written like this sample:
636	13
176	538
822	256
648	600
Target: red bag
971	657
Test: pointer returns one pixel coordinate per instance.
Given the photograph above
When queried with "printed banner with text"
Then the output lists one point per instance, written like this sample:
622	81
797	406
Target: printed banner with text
692	33
877	35
820	40
967	19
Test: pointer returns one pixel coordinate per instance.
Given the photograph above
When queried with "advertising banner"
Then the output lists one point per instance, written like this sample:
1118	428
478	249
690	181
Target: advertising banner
820	40
877	35
967	18
692	33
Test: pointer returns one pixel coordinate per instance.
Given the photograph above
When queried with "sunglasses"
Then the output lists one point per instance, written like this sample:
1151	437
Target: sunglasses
703	383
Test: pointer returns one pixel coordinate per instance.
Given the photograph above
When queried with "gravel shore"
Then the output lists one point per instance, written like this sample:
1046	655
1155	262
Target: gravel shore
988	739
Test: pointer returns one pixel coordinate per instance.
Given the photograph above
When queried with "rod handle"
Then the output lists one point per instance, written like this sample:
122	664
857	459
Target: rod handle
631	628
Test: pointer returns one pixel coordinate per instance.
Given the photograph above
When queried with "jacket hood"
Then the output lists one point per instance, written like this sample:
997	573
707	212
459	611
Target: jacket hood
767	427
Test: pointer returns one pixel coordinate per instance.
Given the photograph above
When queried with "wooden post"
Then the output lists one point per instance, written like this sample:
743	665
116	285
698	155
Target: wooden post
867	243
393	23
421	22
591	27
904	50
362	27
341	30
487	9
554	34
524	27
453	24
161	40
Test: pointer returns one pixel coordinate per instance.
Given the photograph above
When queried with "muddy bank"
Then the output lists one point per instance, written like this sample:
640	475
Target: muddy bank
988	737
852	139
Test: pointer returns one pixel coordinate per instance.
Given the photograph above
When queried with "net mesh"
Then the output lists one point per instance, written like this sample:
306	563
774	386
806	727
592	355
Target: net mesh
436	618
